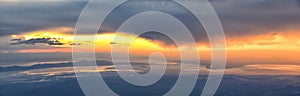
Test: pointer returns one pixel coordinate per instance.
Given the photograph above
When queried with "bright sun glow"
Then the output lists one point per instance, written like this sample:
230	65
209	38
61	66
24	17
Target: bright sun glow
284	47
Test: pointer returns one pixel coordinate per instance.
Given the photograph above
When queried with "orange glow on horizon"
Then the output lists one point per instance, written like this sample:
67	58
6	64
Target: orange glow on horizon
279	47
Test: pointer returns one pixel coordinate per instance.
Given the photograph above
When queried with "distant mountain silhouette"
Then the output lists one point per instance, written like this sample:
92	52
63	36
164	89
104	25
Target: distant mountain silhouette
44	66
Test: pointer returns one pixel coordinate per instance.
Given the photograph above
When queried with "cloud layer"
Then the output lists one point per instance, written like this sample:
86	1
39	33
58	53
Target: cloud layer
239	18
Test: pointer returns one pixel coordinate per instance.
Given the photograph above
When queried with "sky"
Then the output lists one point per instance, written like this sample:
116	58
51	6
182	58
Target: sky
37	36
257	31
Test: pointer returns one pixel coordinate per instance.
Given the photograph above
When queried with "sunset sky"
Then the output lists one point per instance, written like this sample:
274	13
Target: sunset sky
254	35
149	47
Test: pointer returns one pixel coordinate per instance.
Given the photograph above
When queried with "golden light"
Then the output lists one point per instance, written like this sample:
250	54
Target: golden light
261	48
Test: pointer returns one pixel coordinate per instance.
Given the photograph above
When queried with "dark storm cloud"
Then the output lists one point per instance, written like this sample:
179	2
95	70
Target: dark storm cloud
19	17
156	36
239	17
254	17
